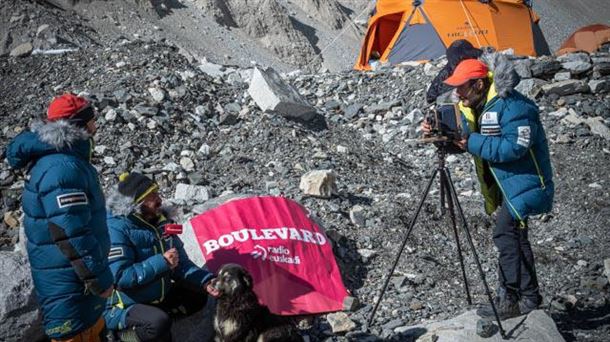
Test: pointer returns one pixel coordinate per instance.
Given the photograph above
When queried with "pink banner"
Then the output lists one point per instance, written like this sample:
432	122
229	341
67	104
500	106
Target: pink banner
289	256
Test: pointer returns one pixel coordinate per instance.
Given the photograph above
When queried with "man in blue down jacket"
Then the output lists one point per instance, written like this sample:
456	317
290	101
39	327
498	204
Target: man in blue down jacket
155	281
67	238
504	134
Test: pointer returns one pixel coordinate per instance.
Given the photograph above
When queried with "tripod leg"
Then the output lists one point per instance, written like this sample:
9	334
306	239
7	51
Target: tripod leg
453	193
451	209
443	193
402	247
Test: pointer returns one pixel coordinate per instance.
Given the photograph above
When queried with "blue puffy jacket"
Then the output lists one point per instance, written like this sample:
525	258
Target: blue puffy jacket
65	225
509	138
136	259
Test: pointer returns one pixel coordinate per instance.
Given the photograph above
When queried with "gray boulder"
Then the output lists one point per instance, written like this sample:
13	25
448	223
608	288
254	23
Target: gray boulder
537	326
20	319
599	86
272	94
530	87
567	87
22	50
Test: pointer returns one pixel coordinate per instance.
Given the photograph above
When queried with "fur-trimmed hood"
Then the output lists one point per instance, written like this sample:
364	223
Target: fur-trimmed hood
45	138
59	134
121	205
505	76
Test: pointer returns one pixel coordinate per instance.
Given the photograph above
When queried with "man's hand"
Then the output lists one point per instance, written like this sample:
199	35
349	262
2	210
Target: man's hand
172	257
426	128
211	290
107	293
461	143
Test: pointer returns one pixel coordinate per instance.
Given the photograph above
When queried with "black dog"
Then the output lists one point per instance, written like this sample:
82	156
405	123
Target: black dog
239	316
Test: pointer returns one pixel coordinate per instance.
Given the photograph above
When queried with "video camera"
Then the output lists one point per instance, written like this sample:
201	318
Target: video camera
446	126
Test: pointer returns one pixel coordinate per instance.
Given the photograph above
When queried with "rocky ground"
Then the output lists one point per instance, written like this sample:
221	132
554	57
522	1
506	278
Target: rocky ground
190	123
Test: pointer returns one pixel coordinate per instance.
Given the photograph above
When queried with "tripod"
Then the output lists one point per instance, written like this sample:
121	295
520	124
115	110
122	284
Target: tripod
449	200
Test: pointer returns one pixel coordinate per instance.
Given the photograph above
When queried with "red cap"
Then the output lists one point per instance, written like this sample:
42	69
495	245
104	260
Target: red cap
468	69
65	106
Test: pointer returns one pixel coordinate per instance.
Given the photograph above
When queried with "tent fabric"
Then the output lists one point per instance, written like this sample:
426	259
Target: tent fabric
588	38
398	29
416	42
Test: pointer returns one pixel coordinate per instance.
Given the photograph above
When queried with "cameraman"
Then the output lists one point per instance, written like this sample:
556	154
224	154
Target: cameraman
503	132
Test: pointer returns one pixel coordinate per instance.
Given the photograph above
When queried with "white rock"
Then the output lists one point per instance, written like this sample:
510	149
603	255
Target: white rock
109	161
187	192
319	183
204	150
560	113
110	115
187	164
342	149
340	322
607	268
22	50
598	127
157	94
100	149
595	186
366	254
41	29
120	64
172	167
271	93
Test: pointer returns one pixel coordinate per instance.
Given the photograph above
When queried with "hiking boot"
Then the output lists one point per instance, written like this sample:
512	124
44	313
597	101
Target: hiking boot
527	305
507	307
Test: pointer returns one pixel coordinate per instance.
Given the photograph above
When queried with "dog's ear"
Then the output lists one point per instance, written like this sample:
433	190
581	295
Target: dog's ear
247	278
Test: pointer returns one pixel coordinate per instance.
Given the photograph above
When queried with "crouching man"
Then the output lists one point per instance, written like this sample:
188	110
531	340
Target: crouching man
154	279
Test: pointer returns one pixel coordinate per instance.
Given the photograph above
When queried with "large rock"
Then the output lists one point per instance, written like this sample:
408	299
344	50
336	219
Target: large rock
537	326
319	183
19	316
530	87
340	322
271	93
598	127
576	63
195	193
599	86
567	87
22	50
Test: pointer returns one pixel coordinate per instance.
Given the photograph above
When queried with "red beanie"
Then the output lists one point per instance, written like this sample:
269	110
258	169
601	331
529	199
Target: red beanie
65	106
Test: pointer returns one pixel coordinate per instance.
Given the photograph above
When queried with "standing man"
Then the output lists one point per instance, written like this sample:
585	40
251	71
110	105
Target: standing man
65	221
154	277
504	134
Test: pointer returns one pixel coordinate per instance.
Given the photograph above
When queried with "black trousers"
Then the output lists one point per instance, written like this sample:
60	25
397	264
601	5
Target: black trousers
517	273
154	322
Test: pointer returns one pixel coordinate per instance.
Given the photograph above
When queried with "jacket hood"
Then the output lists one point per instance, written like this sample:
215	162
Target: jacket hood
505	76
121	205
45	138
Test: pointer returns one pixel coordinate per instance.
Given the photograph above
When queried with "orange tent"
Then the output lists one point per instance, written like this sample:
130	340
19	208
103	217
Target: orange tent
404	30
589	38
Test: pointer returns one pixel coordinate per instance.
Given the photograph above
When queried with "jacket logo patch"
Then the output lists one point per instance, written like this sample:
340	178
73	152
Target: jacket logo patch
489	118
72	199
115	252
523	138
